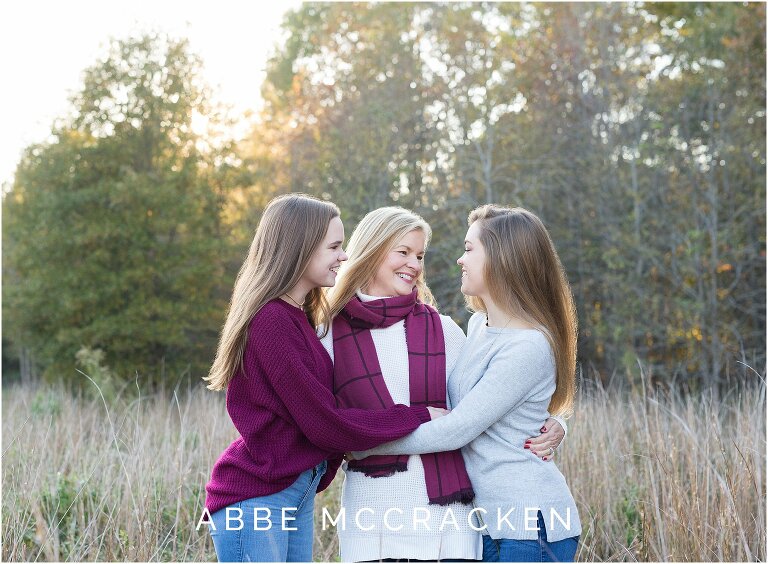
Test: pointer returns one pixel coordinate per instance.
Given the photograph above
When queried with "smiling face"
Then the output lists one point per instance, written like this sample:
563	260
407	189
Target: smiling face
398	273
472	263
327	258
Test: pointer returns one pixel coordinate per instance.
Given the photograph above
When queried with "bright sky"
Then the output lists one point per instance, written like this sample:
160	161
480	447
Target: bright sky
46	44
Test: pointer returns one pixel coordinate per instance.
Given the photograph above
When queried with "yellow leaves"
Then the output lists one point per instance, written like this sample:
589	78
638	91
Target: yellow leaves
296	84
596	313
693	334
724	267
696	333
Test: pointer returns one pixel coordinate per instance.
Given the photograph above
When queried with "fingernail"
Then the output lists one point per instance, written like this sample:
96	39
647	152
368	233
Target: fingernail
544	458
527	445
543	429
528	442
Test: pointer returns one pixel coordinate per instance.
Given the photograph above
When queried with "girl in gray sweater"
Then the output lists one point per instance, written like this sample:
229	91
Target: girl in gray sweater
517	367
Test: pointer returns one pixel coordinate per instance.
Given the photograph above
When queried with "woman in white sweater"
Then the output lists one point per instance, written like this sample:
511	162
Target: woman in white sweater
389	345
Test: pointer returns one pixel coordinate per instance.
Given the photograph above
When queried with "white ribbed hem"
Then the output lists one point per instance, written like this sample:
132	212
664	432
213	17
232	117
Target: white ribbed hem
376	546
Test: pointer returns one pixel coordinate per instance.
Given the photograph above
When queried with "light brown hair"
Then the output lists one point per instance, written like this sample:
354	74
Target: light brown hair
288	233
525	278
375	236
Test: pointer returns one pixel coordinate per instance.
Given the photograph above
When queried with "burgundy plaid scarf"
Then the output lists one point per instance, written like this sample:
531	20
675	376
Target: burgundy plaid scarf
358	382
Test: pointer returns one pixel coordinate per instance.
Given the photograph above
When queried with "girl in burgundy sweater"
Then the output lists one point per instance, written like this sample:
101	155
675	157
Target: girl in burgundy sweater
278	379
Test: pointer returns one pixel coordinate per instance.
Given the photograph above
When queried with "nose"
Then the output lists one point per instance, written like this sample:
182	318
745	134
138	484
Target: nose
343	256
460	260
415	264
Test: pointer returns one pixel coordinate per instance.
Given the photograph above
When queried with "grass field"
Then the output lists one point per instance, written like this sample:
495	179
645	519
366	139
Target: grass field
655	477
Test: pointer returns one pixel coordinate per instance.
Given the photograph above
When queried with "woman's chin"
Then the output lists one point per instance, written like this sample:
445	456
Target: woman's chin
404	289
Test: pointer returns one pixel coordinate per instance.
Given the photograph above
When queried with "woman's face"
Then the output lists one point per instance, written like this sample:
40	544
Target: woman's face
327	258
472	263
401	268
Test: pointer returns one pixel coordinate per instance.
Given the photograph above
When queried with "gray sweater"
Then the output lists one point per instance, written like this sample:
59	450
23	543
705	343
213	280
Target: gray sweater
500	391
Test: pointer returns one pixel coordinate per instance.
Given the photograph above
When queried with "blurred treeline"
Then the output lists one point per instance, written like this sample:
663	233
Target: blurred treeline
635	130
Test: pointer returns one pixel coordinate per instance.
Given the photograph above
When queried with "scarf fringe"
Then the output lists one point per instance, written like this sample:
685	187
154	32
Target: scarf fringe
380	470
465	496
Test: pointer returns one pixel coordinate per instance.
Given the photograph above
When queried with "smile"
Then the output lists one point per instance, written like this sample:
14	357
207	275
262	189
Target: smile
404	276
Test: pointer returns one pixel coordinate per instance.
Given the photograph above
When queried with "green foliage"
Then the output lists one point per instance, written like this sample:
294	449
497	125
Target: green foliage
631	513
65	506
636	131
113	228
45	403
103	382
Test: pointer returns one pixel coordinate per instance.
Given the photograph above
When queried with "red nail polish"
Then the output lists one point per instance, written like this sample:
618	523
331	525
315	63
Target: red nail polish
543	429
528	442
544	458
527	445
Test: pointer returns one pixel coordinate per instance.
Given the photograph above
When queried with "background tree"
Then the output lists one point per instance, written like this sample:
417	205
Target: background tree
596	116
112	230
635	130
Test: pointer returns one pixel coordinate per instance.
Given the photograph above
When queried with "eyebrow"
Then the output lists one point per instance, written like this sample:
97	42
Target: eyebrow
335	243
410	249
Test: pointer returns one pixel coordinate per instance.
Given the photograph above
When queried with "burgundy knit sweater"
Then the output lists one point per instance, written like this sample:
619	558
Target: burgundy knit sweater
286	414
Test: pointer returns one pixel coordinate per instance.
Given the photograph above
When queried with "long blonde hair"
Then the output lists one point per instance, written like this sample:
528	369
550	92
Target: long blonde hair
375	236
525	278
290	230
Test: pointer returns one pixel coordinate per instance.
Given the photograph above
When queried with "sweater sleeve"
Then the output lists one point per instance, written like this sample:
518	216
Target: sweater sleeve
560	419
281	358
330	473
513	373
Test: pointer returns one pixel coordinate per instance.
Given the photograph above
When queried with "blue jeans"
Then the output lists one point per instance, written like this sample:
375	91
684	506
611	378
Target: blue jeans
513	550
272	528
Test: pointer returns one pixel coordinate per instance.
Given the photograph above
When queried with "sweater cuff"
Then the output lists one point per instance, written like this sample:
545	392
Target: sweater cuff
562	422
330	473
422	413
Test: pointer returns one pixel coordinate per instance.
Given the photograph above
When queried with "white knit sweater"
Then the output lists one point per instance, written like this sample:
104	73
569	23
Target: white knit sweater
370	498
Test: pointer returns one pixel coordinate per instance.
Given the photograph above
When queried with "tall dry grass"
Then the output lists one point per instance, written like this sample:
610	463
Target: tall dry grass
663	477
655	477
